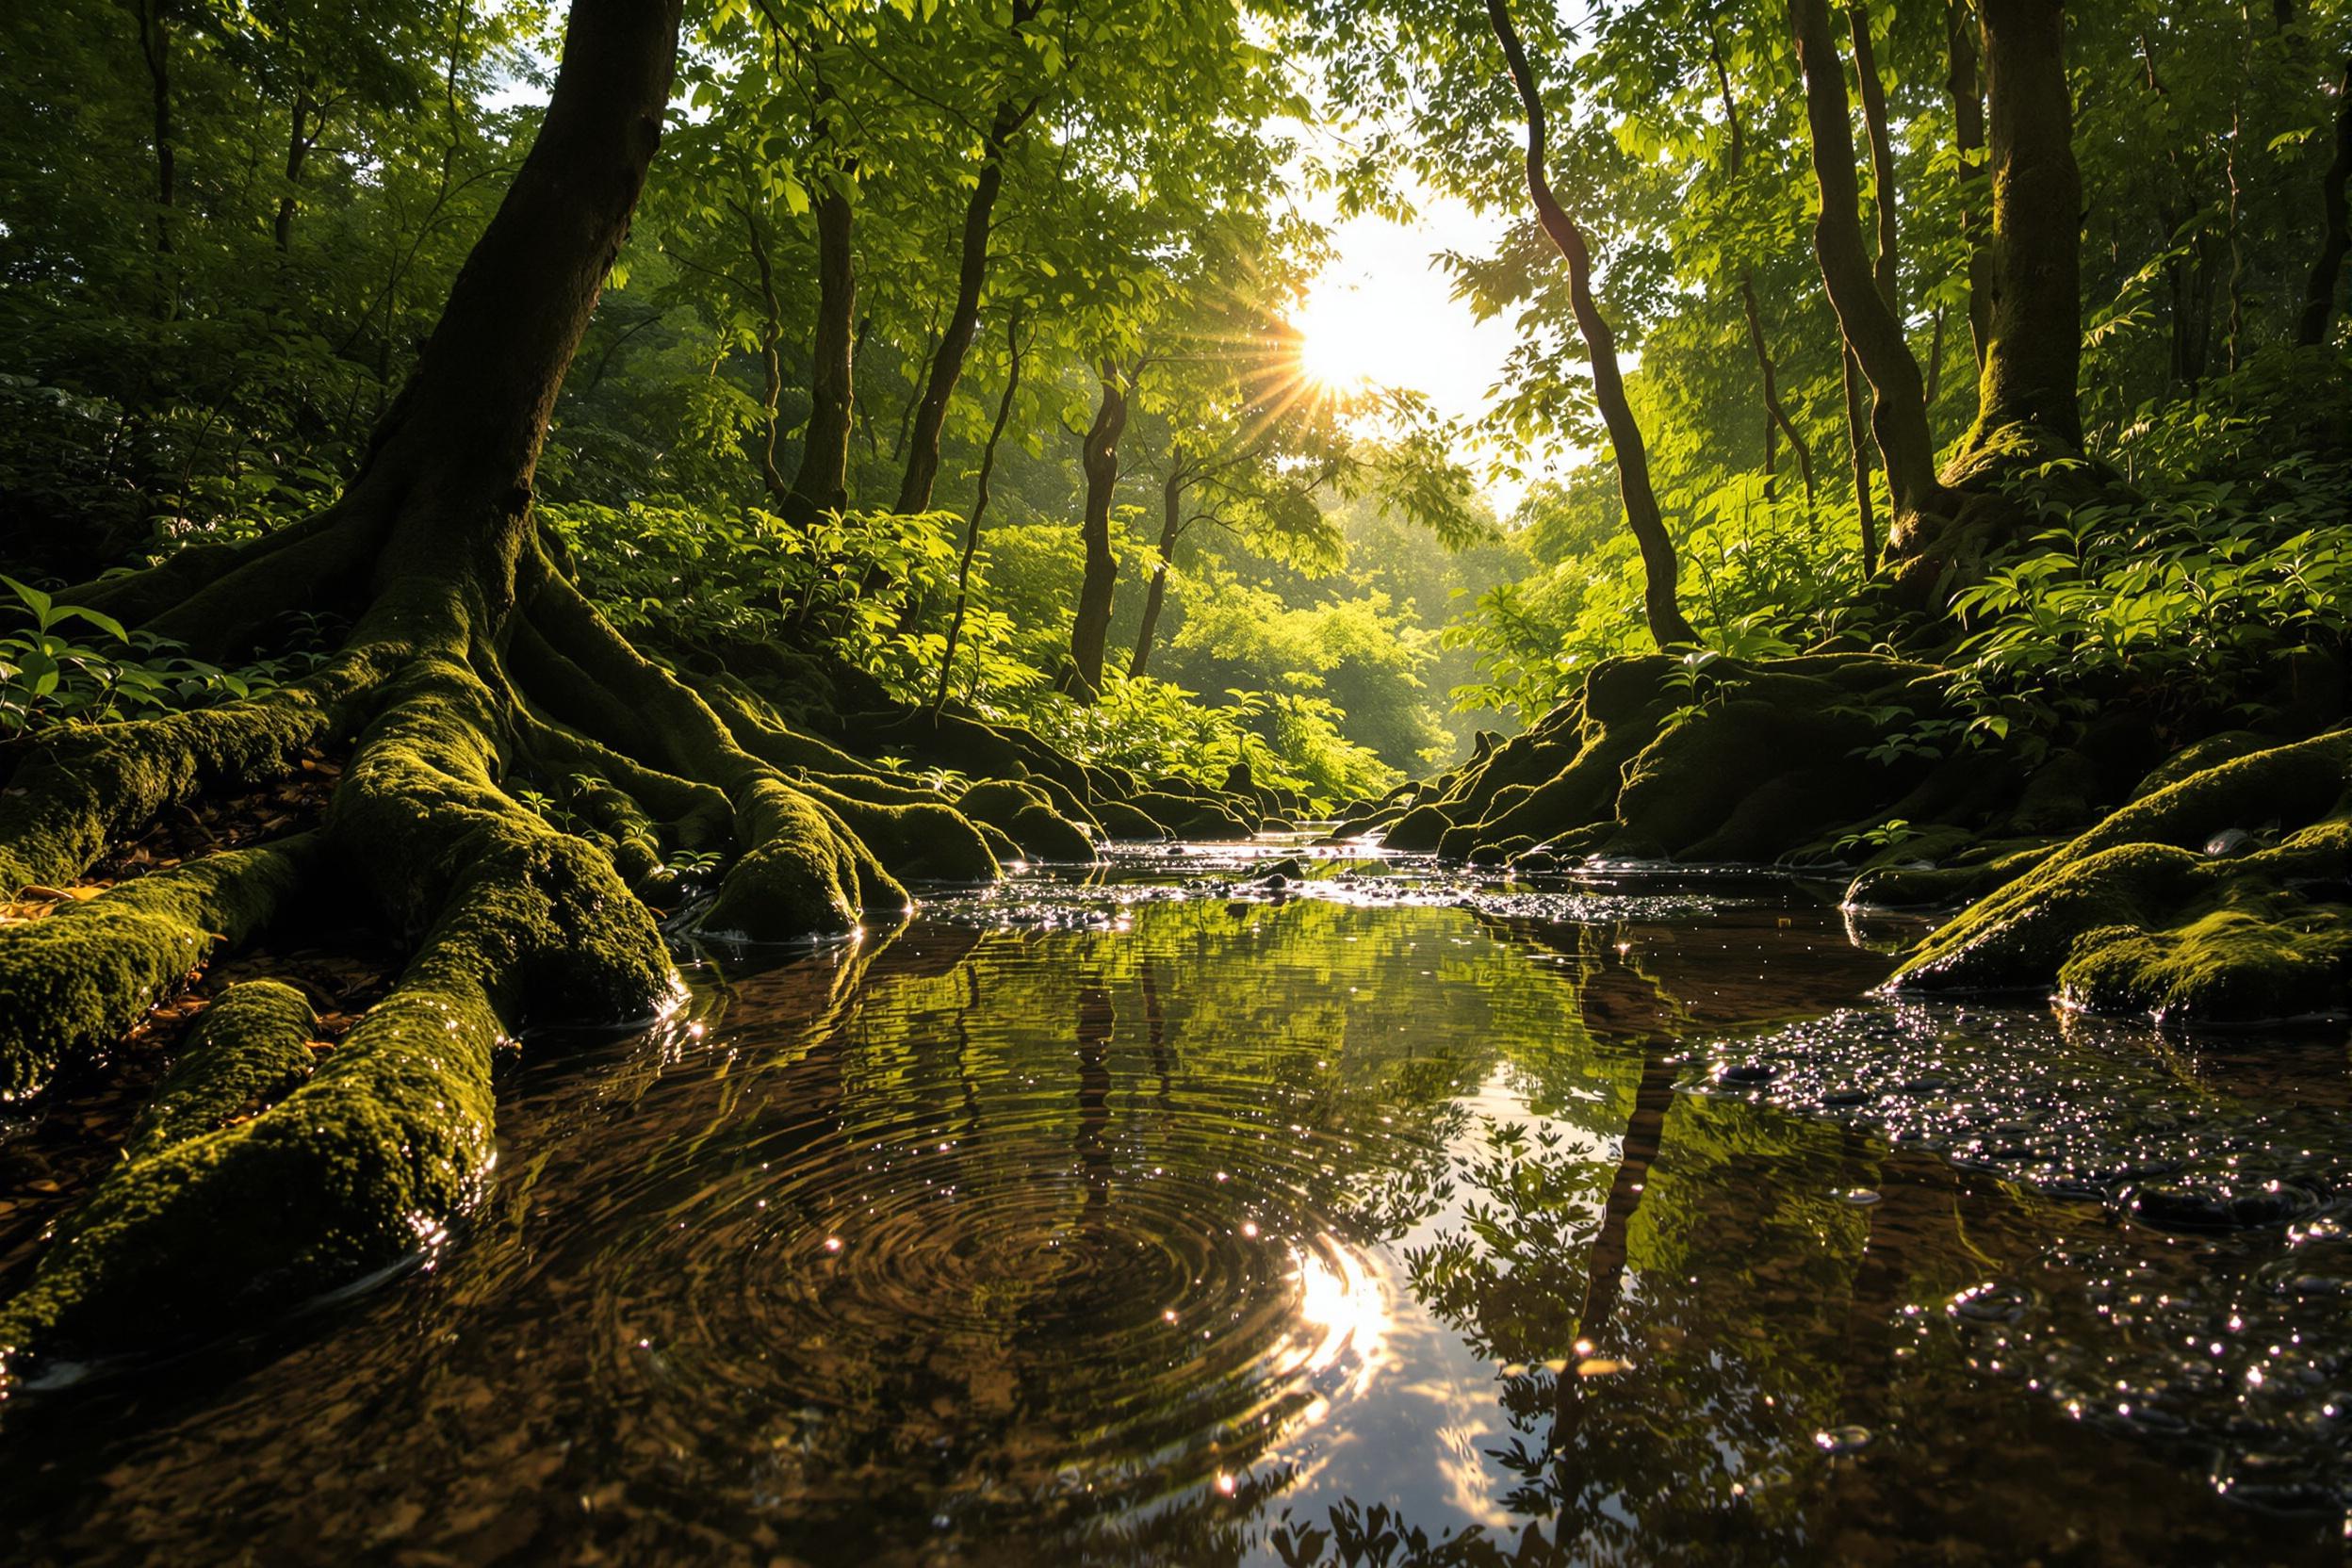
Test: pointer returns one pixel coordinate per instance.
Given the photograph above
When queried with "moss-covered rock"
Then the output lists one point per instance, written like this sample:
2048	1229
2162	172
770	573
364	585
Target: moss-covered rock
1125	824
1024	810
1419	830
1188	818
2137	915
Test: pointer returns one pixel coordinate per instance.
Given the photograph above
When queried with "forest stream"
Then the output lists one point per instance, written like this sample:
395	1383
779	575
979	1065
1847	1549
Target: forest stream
1186	1211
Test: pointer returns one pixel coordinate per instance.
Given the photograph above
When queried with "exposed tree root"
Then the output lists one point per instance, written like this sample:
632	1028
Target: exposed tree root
73	982
251	1175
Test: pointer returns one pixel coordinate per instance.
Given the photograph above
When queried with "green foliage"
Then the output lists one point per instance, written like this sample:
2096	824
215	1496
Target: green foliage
54	671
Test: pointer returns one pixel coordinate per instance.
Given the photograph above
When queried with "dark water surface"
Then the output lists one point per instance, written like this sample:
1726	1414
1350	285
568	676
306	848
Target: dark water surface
1123	1221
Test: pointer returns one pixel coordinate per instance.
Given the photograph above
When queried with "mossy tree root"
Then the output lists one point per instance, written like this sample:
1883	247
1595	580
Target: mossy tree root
74	982
513	924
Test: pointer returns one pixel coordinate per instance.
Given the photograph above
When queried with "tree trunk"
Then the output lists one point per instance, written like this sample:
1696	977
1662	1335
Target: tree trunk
1171	529
1967	119
947	364
1090	631
2035	360
1866	521
1882	156
472	419
298	141
771	363
155	50
1661	607
1871	330
1776	420
823	482
980	505
1775	413
2319	295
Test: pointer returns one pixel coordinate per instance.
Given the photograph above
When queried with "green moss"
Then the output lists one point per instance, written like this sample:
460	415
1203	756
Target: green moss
86	789
925	839
2134	915
74	982
798	880
1190	818
1893	883
1419	830
1045	834
1125	824
387	1143
249	1050
1000	842
2280	958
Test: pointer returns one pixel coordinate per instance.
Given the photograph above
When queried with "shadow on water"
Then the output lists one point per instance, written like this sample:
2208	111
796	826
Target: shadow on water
1212	1228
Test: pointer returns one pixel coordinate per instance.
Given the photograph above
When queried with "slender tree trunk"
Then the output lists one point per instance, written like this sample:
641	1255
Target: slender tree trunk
980	506
1967	89
1661	607
1091	629
1776	420
1871	330
1775	414
771	363
298	141
2034	361
947	364
1935	353
1882	156
155	49
1858	447
823	482
2319	295
1171	529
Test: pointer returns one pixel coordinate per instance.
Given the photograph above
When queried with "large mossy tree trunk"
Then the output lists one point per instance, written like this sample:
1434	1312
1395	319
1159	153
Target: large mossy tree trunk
2027	396
1660	603
470	655
1090	627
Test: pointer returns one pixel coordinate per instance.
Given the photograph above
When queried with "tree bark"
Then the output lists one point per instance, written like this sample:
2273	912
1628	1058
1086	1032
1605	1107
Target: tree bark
2035	359
155	50
1882	156
1090	631
1858	447
299	140
2319	295
1775	414
1775	417
770	363
1171	529
1871	330
823	482
461	441
1967	89
1661	607
980	506
947	364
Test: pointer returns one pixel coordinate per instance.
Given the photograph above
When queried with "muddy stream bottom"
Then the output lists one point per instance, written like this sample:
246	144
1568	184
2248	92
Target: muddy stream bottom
1167	1216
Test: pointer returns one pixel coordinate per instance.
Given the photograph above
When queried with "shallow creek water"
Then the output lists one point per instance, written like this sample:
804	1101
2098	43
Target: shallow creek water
1161	1216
